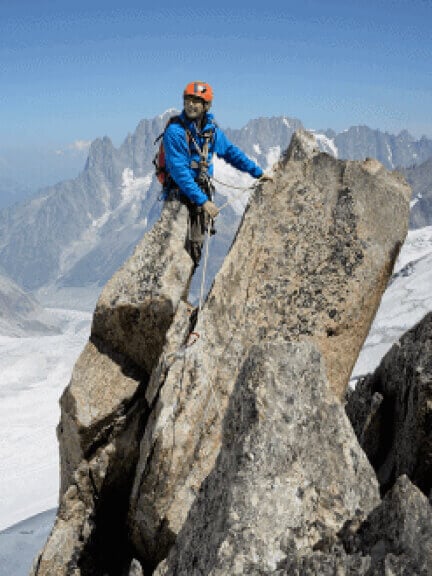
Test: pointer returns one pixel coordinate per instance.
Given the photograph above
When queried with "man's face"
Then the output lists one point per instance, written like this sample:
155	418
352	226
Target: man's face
194	107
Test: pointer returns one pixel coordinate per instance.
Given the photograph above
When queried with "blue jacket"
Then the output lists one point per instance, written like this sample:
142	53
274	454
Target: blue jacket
179	155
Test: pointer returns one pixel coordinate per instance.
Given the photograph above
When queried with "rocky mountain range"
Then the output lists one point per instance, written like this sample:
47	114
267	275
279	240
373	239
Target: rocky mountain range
78	232
394	151
420	179
218	444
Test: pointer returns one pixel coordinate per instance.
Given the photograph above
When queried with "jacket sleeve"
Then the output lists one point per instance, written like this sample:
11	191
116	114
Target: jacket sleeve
177	160
234	156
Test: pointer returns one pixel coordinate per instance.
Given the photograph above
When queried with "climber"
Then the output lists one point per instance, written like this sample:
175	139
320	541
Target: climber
189	142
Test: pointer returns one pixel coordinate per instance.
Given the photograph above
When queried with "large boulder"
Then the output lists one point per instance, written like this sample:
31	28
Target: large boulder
104	410
397	535
310	262
289	474
292	492
391	410
136	307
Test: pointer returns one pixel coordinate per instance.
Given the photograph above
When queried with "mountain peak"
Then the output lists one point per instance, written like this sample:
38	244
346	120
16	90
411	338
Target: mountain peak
100	155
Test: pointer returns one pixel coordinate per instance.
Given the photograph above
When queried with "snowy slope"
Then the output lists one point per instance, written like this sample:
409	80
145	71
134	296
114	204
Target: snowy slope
34	371
326	144
407	299
20	313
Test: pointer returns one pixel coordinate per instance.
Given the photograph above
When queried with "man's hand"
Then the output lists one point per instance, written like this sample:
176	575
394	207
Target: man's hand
265	178
211	209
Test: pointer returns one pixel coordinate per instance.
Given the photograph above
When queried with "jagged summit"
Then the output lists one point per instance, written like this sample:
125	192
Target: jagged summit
233	454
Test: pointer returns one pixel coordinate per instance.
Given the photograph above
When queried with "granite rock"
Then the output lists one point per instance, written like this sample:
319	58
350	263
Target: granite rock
310	262
391	410
397	535
151	420
137	305
289	474
104	410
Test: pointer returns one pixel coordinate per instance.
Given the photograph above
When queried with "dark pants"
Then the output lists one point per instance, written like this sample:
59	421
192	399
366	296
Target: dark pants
198	223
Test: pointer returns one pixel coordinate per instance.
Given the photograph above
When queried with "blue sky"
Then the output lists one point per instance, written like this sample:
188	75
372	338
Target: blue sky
73	71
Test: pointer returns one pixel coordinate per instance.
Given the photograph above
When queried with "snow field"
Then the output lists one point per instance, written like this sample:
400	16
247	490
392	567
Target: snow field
33	374
405	302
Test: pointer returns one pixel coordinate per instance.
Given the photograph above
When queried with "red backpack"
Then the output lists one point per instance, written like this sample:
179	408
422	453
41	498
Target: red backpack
159	161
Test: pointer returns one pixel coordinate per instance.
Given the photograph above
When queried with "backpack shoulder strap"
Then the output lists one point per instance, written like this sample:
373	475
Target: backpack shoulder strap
178	120
209	135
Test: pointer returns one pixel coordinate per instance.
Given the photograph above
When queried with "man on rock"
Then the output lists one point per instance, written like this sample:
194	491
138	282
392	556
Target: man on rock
189	142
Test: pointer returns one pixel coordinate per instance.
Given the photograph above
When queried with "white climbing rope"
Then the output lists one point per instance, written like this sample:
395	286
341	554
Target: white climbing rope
235	197
167	360
204	272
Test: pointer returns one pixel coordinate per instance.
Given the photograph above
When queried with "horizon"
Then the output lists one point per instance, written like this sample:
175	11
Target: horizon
76	72
53	165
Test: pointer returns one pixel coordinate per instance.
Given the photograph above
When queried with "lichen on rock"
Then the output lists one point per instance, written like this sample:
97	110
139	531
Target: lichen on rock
285	475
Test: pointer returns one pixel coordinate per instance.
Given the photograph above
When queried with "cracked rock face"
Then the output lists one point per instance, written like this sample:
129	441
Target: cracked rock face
391	410
289	473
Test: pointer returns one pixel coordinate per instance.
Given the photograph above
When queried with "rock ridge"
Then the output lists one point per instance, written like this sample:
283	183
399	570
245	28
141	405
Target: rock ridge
306	270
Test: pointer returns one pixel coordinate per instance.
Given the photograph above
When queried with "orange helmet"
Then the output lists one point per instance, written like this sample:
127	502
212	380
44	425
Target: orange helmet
200	89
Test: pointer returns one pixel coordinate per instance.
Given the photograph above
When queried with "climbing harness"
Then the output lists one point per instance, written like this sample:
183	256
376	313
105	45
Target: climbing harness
235	196
159	160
